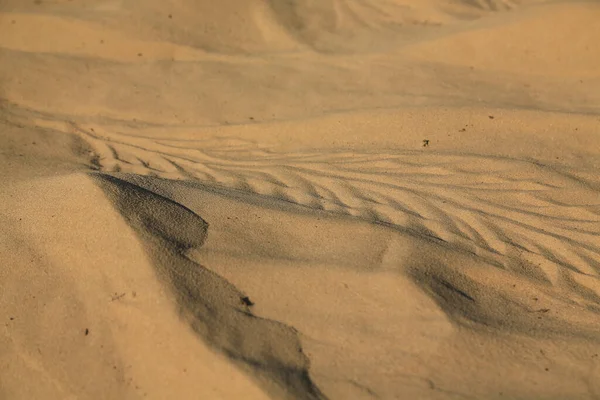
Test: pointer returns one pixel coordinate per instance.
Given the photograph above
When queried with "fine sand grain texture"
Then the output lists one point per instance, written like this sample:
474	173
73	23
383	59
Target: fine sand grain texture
305	199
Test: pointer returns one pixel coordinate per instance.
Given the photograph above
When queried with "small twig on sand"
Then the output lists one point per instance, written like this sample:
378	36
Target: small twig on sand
117	296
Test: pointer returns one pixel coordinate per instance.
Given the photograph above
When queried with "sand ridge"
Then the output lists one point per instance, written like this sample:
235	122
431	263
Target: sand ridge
369	259
341	199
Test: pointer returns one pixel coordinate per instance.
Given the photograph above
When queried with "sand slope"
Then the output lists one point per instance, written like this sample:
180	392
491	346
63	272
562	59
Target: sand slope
82	316
306	199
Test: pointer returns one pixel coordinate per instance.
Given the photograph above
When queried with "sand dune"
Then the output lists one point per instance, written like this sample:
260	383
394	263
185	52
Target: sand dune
342	199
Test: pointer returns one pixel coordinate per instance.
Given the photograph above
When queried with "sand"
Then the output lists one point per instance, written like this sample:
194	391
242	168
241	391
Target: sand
302	199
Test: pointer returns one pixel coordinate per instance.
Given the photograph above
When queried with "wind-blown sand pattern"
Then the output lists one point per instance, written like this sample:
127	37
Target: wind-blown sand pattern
300	200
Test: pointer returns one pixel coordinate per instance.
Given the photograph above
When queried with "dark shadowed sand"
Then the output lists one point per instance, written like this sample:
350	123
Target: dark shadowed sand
333	199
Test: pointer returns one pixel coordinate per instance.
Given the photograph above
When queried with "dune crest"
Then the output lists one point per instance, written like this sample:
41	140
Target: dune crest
366	267
299	199
512	214
215	309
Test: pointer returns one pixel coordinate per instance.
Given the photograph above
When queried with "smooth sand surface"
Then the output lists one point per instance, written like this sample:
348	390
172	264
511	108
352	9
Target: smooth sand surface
306	199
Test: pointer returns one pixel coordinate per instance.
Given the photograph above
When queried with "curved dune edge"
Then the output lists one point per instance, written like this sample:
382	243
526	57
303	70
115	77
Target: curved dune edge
218	312
349	288
347	279
83	314
342	199
346	284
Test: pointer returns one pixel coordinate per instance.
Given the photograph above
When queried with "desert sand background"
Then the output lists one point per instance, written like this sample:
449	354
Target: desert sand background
302	199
